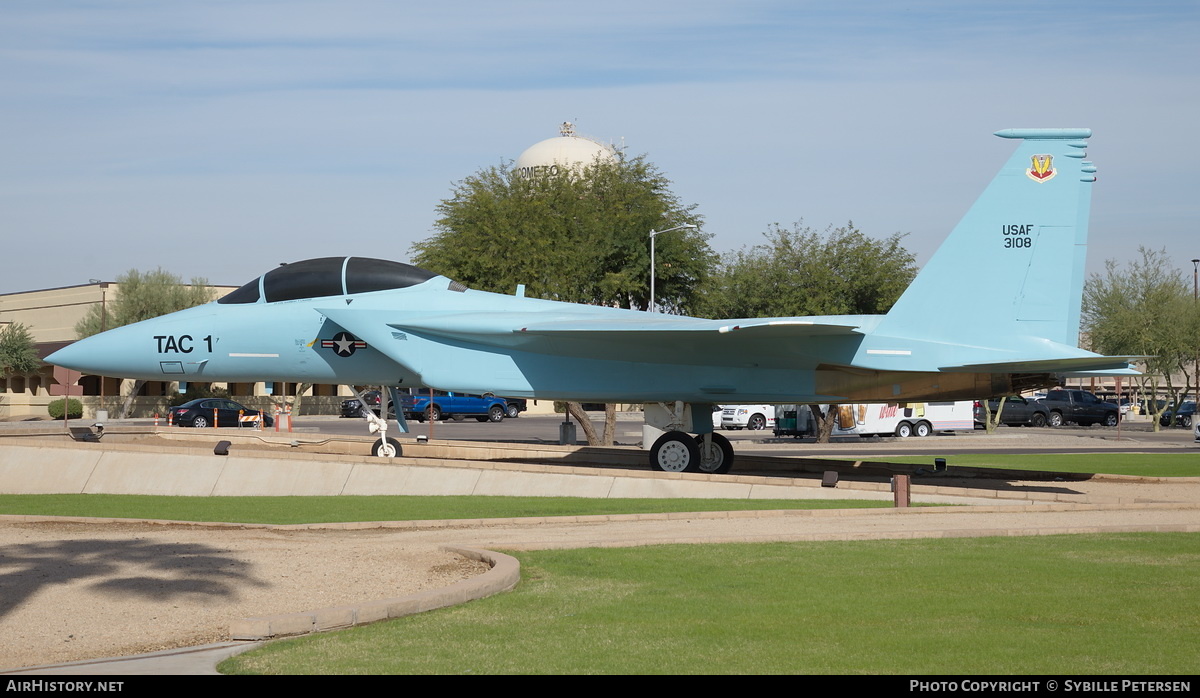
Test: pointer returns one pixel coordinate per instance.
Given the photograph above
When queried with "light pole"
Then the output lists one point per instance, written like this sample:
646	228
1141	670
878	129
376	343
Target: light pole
103	324
653	233
1195	296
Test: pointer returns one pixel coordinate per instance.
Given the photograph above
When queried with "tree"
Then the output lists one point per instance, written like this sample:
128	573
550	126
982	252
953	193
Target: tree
581	236
17	353
1144	309
800	272
141	296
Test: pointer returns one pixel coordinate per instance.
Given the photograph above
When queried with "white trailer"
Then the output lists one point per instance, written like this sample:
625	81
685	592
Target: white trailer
904	419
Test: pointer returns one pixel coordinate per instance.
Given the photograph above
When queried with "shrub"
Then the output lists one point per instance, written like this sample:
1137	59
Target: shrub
74	407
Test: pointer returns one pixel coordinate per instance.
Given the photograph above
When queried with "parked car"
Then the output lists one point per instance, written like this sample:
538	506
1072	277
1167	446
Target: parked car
213	411
447	405
1017	411
354	408
1184	418
1081	407
516	405
748	417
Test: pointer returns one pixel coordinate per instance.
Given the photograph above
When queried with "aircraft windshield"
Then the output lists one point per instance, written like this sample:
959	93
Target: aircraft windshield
328	276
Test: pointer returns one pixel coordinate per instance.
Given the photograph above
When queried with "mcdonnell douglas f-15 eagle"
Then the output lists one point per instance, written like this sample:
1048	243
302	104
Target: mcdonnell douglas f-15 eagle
996	310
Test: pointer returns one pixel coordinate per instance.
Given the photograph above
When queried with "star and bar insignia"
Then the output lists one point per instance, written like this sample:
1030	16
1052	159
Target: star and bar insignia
343	344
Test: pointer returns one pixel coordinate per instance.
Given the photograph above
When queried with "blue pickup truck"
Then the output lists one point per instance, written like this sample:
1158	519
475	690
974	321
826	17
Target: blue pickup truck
447	405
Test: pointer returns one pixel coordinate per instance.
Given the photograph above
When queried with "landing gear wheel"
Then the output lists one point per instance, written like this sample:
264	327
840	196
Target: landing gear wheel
674	452
386	448
495	413
904	430
757	422
923	429
717	458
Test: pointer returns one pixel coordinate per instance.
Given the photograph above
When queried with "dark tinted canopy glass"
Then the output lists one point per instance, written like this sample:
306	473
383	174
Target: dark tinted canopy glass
316	278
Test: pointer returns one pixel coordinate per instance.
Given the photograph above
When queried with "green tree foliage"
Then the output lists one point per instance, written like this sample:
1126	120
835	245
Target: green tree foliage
17	353
141	296
799	272
578	236
1145	308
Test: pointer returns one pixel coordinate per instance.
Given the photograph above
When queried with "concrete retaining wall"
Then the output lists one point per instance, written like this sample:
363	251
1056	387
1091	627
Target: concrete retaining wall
34	466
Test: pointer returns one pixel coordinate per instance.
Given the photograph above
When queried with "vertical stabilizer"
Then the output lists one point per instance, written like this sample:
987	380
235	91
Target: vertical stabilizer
1015	263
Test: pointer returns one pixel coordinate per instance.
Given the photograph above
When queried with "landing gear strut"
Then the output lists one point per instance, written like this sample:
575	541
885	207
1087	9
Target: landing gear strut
377	424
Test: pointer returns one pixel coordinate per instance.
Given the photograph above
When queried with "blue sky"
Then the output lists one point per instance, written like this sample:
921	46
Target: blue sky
217	139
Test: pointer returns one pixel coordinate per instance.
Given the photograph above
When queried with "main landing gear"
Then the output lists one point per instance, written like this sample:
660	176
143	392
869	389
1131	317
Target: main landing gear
676	451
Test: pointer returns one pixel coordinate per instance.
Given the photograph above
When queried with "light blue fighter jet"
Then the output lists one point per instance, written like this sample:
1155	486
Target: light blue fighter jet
995	311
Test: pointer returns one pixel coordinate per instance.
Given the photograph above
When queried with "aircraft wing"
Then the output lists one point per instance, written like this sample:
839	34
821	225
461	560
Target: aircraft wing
653	338
761	328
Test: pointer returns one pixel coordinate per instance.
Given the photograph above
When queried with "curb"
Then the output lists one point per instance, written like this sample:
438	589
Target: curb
504	574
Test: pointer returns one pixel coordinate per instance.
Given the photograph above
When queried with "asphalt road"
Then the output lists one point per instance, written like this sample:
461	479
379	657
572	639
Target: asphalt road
1131	436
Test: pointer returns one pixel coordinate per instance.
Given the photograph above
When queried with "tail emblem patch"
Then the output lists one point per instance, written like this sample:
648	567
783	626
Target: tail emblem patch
1042	169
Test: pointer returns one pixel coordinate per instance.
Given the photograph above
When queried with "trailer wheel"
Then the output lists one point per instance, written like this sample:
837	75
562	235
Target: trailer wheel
904	430
924	429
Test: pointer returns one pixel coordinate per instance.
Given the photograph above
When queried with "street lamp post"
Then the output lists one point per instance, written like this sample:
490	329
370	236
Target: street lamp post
654	233
1195	297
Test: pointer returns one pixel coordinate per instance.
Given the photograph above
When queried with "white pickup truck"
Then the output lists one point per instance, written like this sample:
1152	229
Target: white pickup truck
748	417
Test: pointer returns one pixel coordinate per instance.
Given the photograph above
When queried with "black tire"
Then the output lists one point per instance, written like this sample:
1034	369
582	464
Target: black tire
757	422
513	412
1111	419
1056	419
200	421
720	457
495	413
481	419
923	429
1037	420
674	452
392	445
1185	420
904	430
433	413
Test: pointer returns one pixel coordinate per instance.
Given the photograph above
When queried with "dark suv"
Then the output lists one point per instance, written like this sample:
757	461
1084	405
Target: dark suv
1018	411
1080	407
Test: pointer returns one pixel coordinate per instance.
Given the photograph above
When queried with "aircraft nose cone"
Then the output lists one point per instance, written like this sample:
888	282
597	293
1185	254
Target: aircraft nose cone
72	356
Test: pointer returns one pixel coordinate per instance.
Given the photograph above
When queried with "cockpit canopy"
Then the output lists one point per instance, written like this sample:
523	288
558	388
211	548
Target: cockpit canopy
328	276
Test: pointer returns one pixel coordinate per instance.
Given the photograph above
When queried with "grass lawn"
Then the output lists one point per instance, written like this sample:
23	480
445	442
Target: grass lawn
290	510
1143	464
1082	605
